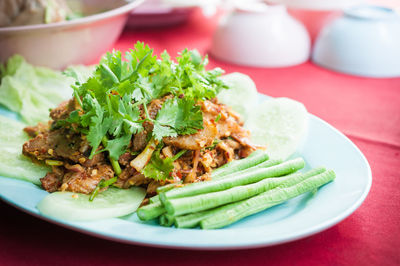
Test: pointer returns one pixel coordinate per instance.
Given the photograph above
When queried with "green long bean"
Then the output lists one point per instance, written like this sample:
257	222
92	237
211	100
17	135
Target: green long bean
253	159
265	200
239	179
150	211
179	206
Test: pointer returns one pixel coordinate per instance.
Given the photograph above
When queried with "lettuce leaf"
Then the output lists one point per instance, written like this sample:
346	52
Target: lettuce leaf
31	91
12	162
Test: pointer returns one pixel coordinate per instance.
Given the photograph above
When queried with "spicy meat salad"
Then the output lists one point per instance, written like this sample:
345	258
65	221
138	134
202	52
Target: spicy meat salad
141	121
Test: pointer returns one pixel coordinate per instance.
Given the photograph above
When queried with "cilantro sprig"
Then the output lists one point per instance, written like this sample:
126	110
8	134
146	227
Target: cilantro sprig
112	98
160	169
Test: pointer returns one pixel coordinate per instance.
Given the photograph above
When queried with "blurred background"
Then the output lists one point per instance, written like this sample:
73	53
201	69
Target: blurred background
357	37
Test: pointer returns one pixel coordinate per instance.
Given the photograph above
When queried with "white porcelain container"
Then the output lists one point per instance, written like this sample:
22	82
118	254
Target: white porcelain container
365	41
315	14
261	36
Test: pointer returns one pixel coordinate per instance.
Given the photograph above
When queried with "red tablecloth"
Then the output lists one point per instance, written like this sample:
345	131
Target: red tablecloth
366	110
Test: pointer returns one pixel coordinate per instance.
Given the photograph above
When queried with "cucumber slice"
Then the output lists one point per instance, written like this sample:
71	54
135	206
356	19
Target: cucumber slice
280	124
12	162
113	202
241	95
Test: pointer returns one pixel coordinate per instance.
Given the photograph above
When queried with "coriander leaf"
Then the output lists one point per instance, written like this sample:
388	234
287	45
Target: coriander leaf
110	97
137	95
145	87
116	127
125	88
132	127
141	58
107	74
160	169
168	112
97	122
160	84
92	87
189	118
131	110
157	168
79	73
195	57
131	116
117	147
73	117
117	68
160	131
97	130
182	115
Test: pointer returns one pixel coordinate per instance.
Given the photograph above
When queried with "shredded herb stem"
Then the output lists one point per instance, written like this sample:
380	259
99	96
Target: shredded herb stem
102	184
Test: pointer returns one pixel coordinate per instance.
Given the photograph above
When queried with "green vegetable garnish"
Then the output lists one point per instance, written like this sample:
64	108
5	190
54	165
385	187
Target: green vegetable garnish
211	200
111	100
253	159
265	200
160	169
244	178
102	184
150	211
12	162
193	219
31	90
217	118
156	208
166	220
71	206
53	162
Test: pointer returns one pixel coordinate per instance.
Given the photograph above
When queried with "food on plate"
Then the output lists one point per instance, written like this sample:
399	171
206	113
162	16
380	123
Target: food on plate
148	122
194	219
242	94
30	12
145	131
235	179
12	162
265	200
218	203
76	207
280	124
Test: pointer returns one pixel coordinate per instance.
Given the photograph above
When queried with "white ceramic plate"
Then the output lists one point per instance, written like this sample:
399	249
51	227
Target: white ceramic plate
295	219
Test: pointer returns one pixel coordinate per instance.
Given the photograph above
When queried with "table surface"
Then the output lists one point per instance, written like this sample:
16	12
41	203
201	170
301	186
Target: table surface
366	110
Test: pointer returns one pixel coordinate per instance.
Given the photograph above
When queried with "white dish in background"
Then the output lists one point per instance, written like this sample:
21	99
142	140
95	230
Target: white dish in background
159	17
166	13
365	41
318	4
261	36
295	219
78	41
315	14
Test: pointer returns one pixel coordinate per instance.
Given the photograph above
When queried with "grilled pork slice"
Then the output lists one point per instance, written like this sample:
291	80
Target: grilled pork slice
60	145
76	178
85	180
203	138
63	110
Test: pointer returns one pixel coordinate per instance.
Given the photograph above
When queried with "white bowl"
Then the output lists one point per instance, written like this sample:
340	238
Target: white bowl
315	14
261	36
78	41
364	42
